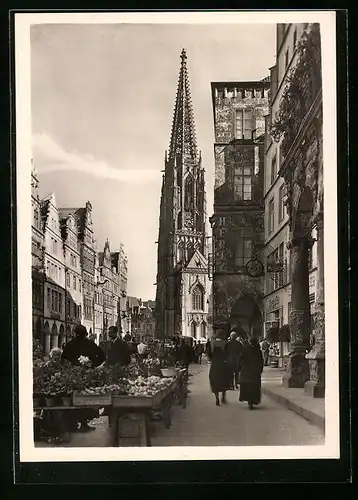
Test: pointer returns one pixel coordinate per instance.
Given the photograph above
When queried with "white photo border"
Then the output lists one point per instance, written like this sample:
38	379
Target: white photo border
28	452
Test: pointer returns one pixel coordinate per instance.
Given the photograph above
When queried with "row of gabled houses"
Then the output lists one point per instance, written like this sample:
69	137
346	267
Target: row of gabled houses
72	281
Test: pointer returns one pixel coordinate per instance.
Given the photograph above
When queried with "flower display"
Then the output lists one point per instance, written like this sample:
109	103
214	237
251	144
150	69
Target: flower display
152	362
84	361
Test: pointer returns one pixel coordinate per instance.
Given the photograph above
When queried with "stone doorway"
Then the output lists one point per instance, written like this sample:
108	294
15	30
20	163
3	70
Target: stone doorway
246	312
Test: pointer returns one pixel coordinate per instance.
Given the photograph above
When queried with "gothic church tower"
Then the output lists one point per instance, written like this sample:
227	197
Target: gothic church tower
182	275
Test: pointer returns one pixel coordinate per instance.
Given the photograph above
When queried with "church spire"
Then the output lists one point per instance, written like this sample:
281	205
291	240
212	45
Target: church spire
183	137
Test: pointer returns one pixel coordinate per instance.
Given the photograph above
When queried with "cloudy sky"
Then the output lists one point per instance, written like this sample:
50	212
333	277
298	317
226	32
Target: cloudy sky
102	107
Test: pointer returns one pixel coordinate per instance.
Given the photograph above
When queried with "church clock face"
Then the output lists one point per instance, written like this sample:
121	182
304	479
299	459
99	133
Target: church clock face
254	268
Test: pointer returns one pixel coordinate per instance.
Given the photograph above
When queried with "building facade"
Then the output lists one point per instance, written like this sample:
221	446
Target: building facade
54	287
98	323
182	272
73	281
110	280
238	220
295	181
87	254
120	263
37	260
146	320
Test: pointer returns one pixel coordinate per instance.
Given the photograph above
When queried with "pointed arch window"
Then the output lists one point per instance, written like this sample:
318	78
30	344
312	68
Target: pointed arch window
179	223
189	194
197	298
203	330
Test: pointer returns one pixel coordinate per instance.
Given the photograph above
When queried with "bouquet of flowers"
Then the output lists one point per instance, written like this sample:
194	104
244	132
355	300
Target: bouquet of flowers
150	362
84	361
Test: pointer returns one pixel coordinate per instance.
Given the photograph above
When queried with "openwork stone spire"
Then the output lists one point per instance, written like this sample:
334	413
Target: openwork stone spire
183	137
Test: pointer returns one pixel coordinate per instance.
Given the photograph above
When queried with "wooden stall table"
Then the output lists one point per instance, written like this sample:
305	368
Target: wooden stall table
129	417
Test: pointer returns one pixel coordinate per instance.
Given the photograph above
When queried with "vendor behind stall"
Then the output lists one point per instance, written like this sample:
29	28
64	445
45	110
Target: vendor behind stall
82	346
118	352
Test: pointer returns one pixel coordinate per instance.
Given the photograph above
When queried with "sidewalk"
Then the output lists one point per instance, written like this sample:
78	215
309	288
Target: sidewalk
312	409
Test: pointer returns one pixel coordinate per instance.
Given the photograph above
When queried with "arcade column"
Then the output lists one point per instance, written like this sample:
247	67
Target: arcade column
297	372
315	386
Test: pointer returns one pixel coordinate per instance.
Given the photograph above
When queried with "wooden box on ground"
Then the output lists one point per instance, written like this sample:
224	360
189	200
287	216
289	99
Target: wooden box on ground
132	430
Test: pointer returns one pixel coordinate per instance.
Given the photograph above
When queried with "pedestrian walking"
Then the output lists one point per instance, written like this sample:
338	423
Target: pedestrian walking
251	366
184	353
239	330
265	347
234	349
208	350
199	349
220	374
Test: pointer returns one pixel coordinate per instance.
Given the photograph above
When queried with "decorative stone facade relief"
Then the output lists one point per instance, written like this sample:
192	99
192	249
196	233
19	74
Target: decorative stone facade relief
219	153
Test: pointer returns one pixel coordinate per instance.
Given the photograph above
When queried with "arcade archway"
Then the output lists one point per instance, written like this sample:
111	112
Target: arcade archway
47	337
246	313
61	339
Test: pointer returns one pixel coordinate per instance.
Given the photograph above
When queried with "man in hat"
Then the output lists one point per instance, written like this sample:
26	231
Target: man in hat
118	350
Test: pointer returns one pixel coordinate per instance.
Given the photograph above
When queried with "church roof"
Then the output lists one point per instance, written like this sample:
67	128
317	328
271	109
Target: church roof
183	137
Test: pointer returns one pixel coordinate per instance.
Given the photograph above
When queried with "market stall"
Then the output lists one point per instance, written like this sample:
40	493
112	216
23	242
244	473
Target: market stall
129	395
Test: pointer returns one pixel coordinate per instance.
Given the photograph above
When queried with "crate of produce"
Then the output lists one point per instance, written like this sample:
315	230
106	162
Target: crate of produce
88	399
169	389
136	401
168	372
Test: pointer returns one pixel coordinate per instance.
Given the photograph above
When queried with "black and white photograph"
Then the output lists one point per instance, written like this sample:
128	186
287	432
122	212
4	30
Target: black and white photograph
177	290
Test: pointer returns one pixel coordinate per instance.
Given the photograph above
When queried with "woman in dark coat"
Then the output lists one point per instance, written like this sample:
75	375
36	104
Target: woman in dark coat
220	373
251	366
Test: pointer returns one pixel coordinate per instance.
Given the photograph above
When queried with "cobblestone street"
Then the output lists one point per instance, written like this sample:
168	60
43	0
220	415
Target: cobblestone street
204	424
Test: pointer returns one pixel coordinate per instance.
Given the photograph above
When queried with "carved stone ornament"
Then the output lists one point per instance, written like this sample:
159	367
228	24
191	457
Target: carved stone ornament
313	366
299	327
188	221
